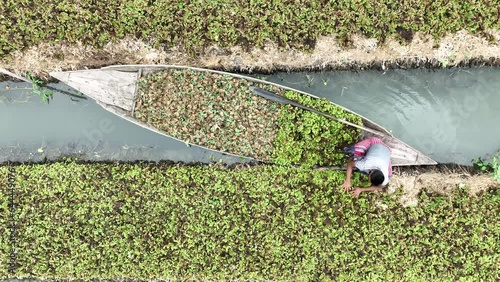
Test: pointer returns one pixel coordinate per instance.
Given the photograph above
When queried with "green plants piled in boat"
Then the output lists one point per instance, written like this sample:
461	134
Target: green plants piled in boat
221	113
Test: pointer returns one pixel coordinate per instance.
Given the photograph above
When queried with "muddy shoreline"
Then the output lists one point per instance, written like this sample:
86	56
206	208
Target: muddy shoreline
461	49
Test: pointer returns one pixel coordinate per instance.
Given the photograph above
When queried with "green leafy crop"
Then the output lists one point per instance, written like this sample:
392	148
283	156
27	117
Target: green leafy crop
5	222
309	139
196	25
174	222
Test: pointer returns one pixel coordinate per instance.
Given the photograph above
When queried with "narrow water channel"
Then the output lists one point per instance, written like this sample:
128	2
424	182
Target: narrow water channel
35	131
451	115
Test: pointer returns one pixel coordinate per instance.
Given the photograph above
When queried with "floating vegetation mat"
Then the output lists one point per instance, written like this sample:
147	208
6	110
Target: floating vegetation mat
206	223
221	113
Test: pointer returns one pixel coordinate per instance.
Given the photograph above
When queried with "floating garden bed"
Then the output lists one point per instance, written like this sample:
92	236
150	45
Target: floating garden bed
5	222
195	25
150	221
221	113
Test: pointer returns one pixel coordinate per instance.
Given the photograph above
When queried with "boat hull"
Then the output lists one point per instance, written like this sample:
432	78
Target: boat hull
115	89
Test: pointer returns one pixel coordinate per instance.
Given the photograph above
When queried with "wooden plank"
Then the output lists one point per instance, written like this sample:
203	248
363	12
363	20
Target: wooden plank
402	154
114	88
6	72
135	97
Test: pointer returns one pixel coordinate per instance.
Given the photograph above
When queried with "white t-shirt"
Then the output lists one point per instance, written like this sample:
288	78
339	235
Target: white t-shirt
378	156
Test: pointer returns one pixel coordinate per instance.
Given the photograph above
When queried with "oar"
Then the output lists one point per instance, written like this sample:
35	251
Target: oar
4	71
280	99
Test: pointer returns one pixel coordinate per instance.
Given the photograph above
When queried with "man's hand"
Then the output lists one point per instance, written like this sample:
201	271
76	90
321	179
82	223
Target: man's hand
356	191
346	185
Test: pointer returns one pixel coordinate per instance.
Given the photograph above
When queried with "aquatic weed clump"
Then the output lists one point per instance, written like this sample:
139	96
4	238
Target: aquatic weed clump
310	139
211	110
174	222
221	113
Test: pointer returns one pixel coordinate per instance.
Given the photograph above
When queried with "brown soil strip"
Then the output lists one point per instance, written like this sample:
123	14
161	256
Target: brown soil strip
459	49
440	179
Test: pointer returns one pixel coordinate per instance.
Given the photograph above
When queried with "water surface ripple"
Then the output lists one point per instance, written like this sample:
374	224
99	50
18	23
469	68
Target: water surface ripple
452	115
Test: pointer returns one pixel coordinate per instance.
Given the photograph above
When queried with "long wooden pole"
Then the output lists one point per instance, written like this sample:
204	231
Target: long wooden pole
280	99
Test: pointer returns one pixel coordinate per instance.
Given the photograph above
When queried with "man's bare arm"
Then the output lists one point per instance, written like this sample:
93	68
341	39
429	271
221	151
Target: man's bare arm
347	182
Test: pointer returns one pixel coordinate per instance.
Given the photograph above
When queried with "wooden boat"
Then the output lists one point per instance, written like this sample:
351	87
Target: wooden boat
115	88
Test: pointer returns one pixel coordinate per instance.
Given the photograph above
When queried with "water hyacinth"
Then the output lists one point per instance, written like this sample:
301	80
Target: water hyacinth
197	25
173	222
221	113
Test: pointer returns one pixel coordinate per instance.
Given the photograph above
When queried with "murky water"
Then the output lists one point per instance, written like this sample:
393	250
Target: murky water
451	115
67	126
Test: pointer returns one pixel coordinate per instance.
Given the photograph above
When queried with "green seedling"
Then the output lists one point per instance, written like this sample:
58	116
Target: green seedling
39	88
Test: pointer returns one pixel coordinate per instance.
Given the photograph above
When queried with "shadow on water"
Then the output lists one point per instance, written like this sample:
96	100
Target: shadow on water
74	97
450	115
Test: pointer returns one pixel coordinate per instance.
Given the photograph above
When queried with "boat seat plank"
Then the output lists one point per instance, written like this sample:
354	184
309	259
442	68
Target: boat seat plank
110	87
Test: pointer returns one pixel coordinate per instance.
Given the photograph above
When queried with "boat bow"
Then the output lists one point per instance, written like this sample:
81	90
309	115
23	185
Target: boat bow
108	87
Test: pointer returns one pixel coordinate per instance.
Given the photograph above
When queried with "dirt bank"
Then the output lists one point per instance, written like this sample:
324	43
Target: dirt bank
441	179
459	49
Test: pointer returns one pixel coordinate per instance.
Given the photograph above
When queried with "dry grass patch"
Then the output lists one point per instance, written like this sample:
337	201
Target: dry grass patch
451	50
438	183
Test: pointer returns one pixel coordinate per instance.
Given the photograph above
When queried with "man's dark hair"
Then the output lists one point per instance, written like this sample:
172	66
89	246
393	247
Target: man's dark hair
377	177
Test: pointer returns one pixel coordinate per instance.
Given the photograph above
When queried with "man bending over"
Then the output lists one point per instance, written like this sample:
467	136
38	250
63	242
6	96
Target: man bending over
373	158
